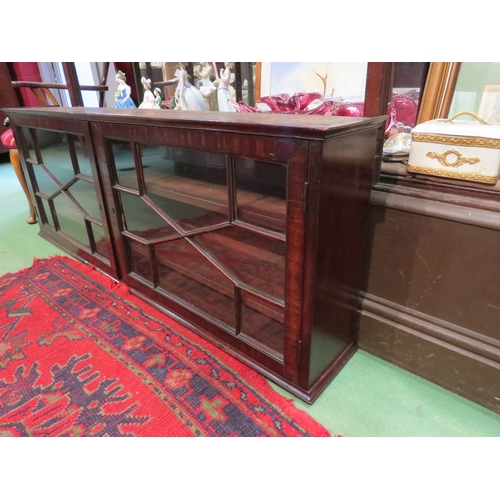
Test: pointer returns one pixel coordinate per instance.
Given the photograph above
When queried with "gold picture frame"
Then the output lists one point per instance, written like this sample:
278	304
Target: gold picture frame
438	91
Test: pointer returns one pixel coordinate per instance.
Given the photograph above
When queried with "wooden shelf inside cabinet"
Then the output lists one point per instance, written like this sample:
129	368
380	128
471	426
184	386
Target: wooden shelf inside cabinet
256	241
258	209
264	281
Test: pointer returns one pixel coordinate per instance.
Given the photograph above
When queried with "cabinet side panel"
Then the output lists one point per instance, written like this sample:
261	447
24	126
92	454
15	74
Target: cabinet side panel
342	201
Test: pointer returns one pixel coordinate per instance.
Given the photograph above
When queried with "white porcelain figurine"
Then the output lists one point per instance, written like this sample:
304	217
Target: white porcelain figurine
223	88
148	101
187	96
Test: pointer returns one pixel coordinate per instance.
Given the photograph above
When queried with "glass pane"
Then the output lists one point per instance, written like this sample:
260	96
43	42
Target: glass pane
189	186
70	219
84	193
101	245
139	259
154	156
186	273
142	220
82	157
189	217
124	164
55	155
263	322
261	193
45	184
256	260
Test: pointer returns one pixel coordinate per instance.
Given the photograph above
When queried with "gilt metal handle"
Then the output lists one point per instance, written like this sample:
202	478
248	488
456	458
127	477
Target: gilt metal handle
468	113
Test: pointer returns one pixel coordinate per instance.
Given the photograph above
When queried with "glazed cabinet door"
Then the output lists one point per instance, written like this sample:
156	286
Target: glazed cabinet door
200	225
59	160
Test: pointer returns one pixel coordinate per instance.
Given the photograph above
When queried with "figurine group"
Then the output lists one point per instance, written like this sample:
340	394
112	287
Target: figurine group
214	91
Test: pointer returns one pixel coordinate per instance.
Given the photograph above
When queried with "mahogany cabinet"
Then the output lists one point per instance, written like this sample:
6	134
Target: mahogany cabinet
248	228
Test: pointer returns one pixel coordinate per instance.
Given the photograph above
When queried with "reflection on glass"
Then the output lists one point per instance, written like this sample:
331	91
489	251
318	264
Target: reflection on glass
56	156
70	219
58	160
256	260
85	195
186	273
100	242
44	183
124	164
263	322
189	217
139	259
82	157
142	220
261	193
189	186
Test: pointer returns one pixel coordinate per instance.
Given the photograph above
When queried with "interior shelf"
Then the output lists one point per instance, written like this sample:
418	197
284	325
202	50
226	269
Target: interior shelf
254	208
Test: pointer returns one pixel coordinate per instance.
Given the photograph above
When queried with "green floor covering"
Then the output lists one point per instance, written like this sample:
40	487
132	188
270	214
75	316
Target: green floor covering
369	397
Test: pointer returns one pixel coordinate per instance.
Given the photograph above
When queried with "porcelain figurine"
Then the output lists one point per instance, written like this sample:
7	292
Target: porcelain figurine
158	99
223	92
148	101
123	91
187	96
204	72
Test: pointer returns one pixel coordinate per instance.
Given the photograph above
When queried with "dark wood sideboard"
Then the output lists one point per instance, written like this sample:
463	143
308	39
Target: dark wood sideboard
248	228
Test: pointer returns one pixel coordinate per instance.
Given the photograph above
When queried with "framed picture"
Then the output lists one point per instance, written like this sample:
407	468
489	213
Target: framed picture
489	106
346	80
474	89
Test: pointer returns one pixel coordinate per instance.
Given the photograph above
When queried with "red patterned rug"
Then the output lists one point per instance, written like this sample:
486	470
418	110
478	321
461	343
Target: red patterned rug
81	356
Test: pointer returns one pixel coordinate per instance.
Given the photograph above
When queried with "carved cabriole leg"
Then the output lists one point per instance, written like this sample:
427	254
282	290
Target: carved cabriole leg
18	169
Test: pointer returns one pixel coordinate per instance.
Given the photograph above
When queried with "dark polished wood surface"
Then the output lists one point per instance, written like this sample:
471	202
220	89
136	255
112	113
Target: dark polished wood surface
255	123
250	229
430	300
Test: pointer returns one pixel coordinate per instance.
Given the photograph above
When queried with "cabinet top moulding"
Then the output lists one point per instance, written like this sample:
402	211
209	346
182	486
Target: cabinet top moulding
297	126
